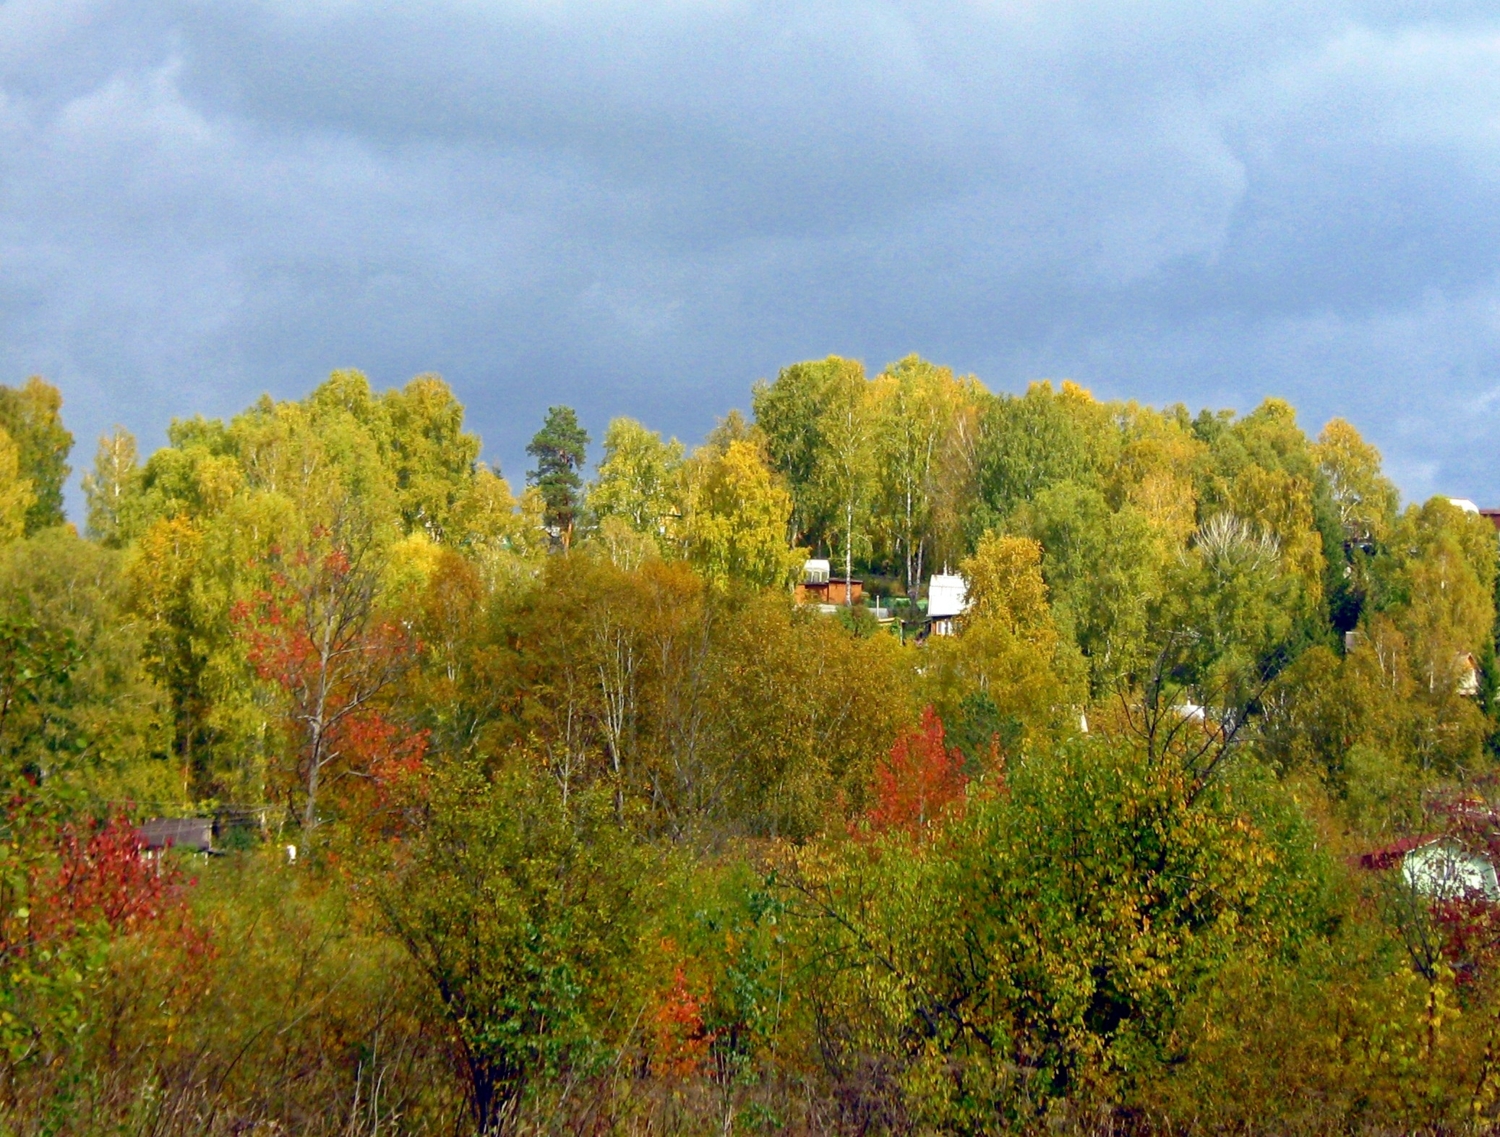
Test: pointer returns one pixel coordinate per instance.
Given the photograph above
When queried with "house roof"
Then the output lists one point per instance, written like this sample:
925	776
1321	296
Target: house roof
815	572
947	595
1390	855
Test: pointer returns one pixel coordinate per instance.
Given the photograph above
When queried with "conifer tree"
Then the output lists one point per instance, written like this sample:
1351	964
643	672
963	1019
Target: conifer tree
559	449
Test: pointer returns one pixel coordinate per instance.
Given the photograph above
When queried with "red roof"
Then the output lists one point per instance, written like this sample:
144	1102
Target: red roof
1390	855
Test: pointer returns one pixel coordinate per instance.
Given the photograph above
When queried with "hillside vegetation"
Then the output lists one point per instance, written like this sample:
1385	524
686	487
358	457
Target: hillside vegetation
557	812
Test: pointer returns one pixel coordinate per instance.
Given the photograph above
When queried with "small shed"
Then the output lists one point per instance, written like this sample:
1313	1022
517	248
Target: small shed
192	833
820	586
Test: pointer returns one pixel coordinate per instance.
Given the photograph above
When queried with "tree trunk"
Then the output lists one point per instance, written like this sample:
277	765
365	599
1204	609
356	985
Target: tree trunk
849	555
617	666
314	769
908	535
317	729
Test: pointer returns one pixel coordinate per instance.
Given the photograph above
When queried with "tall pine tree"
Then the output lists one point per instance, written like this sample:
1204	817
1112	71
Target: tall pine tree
559	449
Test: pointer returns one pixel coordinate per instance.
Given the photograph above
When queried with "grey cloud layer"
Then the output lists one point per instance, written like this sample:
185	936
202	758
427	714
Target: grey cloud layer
640	208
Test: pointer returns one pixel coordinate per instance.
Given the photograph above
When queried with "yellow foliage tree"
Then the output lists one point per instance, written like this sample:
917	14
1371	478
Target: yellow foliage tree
1156	472
737	519
922	413
16	493
1009	651
638	481
1279	505
1365	497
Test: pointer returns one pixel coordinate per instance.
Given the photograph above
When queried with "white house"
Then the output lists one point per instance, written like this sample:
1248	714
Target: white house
1443	868
947	597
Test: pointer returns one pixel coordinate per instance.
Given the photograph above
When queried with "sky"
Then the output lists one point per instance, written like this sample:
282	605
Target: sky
641	208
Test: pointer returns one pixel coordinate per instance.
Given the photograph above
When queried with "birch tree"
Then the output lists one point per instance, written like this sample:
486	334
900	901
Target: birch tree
918	412
109	486
317	633
845	467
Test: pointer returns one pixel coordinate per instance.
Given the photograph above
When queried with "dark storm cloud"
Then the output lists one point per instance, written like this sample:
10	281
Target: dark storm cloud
639	208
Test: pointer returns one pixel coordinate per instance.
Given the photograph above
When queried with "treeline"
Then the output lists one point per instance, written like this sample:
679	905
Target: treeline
556	811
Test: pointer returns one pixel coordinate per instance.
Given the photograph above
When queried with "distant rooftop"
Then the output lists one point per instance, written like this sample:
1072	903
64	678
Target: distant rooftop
193	833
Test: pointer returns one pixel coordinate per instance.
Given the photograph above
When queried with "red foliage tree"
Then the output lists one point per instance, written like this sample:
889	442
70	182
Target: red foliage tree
99	876
920	781
1469	924
389	765
681	1041
1460	928
317	634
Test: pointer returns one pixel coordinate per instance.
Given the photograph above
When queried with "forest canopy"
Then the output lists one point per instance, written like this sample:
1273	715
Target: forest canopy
571	804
